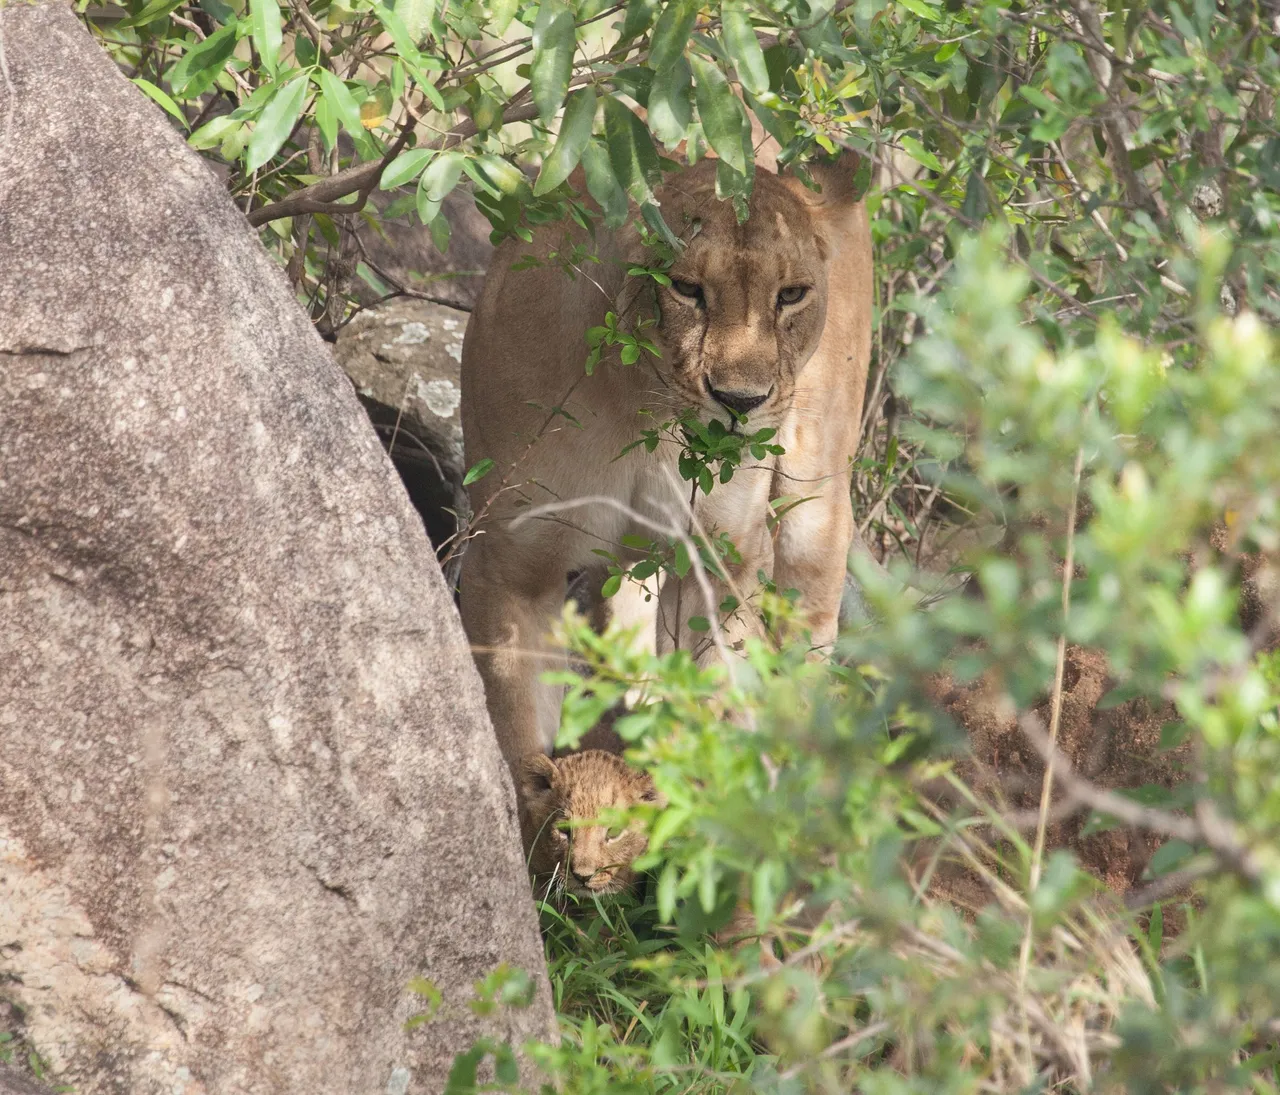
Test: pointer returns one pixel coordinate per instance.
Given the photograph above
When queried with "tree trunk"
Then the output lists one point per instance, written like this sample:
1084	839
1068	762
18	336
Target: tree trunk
249	789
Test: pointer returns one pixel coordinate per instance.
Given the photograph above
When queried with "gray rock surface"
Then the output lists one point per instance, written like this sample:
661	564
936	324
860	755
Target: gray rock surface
403	357
12	1083
249	789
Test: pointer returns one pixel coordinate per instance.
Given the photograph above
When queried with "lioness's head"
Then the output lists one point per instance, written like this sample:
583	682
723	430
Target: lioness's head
747	302
561	802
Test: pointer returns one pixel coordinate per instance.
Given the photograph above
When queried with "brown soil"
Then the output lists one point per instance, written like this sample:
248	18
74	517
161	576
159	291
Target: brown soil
1114	748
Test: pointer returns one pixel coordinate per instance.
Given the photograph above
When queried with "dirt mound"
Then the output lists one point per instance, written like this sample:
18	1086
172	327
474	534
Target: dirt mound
1113	747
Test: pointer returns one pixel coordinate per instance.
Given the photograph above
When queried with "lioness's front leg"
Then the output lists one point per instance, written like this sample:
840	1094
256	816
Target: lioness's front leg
811	551
507	609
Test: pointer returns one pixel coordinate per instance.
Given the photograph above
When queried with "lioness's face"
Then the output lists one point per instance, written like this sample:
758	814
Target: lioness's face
746	305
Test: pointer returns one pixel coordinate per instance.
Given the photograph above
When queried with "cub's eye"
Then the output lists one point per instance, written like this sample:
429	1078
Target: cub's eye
792	294
615	832
690	289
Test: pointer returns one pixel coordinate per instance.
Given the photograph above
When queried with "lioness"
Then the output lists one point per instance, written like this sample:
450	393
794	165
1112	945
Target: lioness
769	319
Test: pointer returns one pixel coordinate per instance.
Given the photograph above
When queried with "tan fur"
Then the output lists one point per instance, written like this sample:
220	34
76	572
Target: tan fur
561	799
523	357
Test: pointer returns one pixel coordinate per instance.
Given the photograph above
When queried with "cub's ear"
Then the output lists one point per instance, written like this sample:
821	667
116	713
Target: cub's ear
838	179
537	774
652	794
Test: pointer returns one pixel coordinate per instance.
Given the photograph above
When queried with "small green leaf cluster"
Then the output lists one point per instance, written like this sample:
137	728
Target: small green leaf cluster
630	342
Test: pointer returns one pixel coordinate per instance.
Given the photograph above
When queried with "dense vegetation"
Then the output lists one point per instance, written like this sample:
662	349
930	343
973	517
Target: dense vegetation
1073	403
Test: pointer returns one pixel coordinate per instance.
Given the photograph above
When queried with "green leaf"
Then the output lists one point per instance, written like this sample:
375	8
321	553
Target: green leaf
671	104
264	24
699	623
462	1076
667	883
339	97
671	35
440	233
505	1068
327	120
477	471
1037	98
603	184
439	179
400	37
975	205
612	584
157	9
743	47
553	44
920	154
276	123
305	52
201	64
681	563
639	18
422	986
631	151
405	167
501	12
723	119
416	15
496	175
653	218
575	134
157	96
221	13
213	132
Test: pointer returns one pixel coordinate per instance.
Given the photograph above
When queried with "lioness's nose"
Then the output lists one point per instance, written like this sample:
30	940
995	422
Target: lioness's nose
741	402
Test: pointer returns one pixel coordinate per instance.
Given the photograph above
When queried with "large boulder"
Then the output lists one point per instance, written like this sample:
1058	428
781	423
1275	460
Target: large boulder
249	790
13	1083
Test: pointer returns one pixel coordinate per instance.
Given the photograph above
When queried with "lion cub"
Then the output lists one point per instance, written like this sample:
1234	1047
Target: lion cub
586	859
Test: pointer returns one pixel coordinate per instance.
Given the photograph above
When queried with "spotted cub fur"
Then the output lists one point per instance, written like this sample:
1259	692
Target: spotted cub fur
560	799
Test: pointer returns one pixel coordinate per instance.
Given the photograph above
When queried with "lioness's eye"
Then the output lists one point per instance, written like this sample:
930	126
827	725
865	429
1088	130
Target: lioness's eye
792	294
690	289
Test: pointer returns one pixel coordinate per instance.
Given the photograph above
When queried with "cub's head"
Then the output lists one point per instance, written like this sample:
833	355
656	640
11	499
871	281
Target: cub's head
561	802
747	303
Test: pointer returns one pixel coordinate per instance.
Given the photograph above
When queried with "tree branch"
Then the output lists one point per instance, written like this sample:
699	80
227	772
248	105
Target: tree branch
1208	827
322	197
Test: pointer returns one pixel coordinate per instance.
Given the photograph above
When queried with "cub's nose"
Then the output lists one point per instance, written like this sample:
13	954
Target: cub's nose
583	877
740	402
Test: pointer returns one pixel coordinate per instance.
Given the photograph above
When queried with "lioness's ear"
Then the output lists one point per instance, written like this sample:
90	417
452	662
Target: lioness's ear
838	179
537	774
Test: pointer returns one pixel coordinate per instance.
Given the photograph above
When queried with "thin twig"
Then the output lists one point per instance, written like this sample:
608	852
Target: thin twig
1055	717
1171	884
